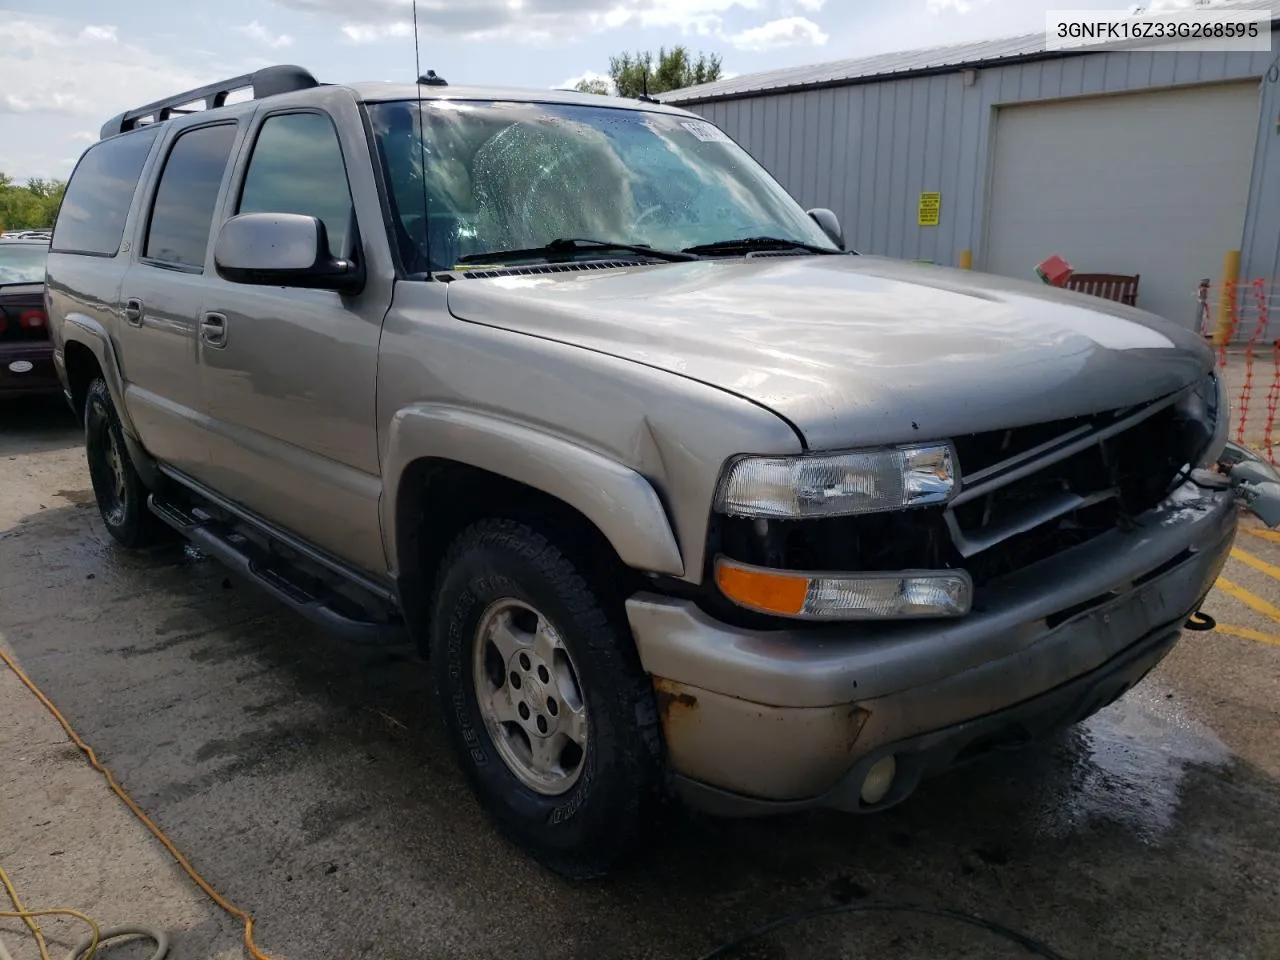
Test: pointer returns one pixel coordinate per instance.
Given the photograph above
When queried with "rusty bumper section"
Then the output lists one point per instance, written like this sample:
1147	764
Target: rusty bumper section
761	722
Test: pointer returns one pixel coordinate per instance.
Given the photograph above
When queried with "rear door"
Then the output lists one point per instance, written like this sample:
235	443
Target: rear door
163	292
90	251
290	383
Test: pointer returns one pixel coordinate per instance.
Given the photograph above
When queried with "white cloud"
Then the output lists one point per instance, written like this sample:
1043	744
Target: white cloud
83	74
85	135
813	6
55	101
531	20
704	17
106	32
787	32
258	33
371	33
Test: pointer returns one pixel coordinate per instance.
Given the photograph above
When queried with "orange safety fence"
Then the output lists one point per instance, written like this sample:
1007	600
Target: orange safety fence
1242	320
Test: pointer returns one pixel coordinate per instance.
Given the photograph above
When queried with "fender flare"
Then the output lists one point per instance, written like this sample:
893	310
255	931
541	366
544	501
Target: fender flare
620	502
90	333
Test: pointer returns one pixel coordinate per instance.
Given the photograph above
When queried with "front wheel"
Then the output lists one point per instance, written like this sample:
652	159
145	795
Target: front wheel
545	700
119	491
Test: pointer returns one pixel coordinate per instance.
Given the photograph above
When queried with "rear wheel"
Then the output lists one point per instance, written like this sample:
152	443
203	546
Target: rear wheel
119	491
546	702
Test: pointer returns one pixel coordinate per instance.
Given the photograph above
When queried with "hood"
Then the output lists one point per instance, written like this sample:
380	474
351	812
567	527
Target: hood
857	350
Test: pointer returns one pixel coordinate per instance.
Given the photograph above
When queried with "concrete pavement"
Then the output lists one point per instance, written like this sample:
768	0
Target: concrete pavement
311	784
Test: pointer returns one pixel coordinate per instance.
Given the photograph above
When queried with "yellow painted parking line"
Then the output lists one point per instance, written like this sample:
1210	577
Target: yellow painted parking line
1272	535
1244	633
1248	599
1257	563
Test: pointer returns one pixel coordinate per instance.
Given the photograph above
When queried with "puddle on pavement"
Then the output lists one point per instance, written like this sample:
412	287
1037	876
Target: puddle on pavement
1126	766
193	554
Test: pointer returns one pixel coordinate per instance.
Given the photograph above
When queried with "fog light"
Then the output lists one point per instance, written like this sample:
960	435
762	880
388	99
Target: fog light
879	779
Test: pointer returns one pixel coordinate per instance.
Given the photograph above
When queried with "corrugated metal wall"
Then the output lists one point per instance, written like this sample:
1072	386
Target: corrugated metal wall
868	151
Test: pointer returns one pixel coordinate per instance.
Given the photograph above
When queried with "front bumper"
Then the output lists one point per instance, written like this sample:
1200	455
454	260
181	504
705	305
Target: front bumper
26	367
758	722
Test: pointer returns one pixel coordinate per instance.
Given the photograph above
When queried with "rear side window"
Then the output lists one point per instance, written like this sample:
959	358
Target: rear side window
297	167
98	197
182	214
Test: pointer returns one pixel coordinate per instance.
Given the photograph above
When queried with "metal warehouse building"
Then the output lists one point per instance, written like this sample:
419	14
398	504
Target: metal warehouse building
1131	162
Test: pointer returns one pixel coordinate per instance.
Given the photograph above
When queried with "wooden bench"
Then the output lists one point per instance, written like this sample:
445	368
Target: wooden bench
1109	286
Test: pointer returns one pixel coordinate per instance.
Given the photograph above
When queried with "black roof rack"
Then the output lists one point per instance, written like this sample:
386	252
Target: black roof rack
266	82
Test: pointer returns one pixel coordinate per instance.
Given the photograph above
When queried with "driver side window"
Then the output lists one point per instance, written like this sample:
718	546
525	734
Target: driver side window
297	167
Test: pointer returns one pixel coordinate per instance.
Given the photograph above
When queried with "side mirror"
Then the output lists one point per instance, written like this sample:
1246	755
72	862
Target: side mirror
282	250
829	223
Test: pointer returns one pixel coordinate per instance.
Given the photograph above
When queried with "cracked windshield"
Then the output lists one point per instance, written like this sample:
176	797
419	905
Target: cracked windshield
514	176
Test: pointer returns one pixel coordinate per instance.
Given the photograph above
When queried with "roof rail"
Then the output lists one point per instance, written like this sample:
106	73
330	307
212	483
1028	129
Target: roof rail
266	82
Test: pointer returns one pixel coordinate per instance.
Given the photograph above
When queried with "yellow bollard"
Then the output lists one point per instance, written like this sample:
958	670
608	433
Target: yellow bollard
966	259
1227	298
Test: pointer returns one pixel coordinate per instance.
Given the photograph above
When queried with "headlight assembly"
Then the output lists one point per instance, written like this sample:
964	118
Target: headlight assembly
838	485
1209	408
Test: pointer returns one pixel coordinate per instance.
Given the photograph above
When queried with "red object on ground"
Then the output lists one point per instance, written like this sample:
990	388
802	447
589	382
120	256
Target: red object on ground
1055	271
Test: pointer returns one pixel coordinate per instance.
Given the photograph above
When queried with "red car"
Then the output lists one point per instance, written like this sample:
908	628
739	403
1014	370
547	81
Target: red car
26	352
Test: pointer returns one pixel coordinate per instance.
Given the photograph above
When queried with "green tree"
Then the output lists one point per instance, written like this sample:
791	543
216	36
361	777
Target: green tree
30	205
599	87
672	69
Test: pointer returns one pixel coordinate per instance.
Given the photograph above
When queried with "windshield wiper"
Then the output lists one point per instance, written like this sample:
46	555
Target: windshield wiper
571	245
755	243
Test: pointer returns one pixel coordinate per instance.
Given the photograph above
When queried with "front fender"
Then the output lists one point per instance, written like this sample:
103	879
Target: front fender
620	502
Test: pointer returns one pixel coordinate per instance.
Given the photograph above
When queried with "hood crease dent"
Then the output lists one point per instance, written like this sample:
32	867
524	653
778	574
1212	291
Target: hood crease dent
858	350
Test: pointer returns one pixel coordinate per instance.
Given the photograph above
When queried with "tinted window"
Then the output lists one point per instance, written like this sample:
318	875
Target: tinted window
297	167
182	215
97	200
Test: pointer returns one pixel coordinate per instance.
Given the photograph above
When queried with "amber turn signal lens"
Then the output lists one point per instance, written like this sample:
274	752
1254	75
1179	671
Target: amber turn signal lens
870	595
763	590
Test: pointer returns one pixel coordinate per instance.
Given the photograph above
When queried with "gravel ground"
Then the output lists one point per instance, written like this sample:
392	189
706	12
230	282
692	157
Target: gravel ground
311	784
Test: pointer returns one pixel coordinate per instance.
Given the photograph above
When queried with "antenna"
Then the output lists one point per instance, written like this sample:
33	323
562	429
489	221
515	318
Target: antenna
644	84
422	143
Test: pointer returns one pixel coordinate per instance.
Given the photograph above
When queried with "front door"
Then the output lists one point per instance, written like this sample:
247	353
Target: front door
161	297
290	375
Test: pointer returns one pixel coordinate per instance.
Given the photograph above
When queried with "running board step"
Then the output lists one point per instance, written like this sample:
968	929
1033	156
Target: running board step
272	575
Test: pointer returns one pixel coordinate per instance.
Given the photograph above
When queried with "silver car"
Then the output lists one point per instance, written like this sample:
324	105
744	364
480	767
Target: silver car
678	496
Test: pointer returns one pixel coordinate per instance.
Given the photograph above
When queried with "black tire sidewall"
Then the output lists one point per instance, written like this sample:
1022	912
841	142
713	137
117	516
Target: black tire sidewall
583	831
101	424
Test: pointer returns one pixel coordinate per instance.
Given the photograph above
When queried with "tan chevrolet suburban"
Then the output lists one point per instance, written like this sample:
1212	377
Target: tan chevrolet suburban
679	497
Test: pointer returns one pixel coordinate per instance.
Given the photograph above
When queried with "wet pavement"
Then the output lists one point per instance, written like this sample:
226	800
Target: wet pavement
311	784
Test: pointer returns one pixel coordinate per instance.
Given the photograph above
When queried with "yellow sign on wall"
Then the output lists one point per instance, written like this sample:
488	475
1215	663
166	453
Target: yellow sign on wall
930	204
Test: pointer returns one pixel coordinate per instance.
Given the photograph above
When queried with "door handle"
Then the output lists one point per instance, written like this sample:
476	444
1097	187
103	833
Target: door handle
213	330
133	312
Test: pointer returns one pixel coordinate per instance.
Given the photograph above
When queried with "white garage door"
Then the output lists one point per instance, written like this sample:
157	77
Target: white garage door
1149	183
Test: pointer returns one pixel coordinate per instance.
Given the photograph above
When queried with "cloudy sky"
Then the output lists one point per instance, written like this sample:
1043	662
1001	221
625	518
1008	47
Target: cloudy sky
68	65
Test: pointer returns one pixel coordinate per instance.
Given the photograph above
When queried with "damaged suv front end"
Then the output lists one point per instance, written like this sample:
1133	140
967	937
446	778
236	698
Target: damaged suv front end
885	614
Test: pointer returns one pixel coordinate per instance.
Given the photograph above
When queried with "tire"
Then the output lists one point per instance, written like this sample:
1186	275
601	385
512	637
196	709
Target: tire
581	824
119	491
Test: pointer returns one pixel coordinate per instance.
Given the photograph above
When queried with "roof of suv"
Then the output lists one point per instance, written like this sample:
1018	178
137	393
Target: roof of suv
268	82
373	92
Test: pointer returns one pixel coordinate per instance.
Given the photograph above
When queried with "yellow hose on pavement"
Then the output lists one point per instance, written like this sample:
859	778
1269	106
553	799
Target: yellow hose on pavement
29	916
